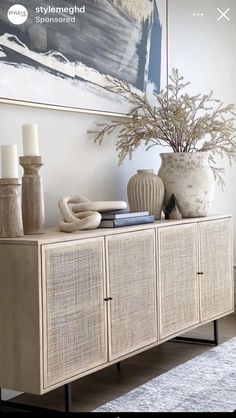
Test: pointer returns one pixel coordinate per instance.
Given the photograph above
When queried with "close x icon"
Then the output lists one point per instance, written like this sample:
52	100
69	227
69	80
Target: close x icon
223	14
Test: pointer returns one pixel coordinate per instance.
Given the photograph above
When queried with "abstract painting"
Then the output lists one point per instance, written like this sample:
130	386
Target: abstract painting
67	55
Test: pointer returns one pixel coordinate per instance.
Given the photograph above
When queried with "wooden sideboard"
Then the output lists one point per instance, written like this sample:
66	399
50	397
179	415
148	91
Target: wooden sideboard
71	304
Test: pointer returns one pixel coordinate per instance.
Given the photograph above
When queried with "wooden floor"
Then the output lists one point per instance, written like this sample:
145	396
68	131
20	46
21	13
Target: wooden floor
94	390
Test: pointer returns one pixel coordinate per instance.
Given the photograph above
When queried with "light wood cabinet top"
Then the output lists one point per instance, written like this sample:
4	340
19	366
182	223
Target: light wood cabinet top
53	234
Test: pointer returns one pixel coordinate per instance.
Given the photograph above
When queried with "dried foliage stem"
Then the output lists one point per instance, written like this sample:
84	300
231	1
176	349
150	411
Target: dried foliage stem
178	121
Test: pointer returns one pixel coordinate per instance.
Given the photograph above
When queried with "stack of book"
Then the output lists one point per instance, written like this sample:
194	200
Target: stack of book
120	218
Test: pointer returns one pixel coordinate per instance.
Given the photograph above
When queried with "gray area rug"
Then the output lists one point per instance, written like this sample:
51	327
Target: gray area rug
206	383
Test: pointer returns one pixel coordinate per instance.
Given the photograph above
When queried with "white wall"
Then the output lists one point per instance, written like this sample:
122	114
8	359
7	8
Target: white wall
74	164
204	52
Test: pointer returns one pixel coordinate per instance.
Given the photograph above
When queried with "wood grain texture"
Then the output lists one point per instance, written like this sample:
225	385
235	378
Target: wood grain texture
11	224
33	211
131	274
55	235
20	343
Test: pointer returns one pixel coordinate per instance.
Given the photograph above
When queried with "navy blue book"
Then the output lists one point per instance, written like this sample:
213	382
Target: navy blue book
118	214
137	220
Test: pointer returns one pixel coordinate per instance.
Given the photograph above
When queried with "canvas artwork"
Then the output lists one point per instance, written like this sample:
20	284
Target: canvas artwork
67	55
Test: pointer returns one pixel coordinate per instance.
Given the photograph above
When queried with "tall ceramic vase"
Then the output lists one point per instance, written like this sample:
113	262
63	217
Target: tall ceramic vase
146	193
189	177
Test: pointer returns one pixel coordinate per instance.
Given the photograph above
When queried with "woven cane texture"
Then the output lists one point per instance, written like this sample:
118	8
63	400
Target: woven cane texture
178	280
75	317
217	265
132	285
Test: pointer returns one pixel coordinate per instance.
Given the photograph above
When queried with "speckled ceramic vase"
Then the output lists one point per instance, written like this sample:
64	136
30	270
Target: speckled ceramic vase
189	177
146	193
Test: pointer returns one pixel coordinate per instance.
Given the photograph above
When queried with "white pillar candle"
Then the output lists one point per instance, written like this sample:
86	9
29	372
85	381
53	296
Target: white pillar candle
9	161
30	140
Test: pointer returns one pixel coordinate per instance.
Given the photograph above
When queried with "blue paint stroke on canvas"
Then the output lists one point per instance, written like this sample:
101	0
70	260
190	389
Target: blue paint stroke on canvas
154	70
112	39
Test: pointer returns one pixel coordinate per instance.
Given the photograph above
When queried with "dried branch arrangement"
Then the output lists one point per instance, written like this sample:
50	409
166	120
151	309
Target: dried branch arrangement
179	121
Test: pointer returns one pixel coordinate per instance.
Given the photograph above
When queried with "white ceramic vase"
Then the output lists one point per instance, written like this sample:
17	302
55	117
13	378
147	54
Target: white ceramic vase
189	177
146	193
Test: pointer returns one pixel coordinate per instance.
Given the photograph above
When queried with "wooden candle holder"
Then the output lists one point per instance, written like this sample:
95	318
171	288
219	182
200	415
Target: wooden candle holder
11	225
32	195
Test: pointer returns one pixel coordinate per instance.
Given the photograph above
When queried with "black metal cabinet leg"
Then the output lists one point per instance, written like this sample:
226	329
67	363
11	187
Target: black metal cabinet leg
118	366
68	397
216	333
194	340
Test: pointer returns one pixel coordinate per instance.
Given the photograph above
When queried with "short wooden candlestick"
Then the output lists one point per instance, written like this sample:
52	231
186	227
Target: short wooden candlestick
32	195
11	225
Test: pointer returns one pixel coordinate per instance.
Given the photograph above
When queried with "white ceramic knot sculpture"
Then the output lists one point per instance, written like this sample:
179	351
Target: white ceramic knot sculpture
84	214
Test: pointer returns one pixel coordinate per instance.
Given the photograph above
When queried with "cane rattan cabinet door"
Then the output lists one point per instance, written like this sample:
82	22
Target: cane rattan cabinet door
132	287
216	264
178	279
74	309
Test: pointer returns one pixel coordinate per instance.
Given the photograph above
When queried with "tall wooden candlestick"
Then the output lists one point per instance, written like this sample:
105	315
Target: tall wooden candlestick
32	195
11	225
